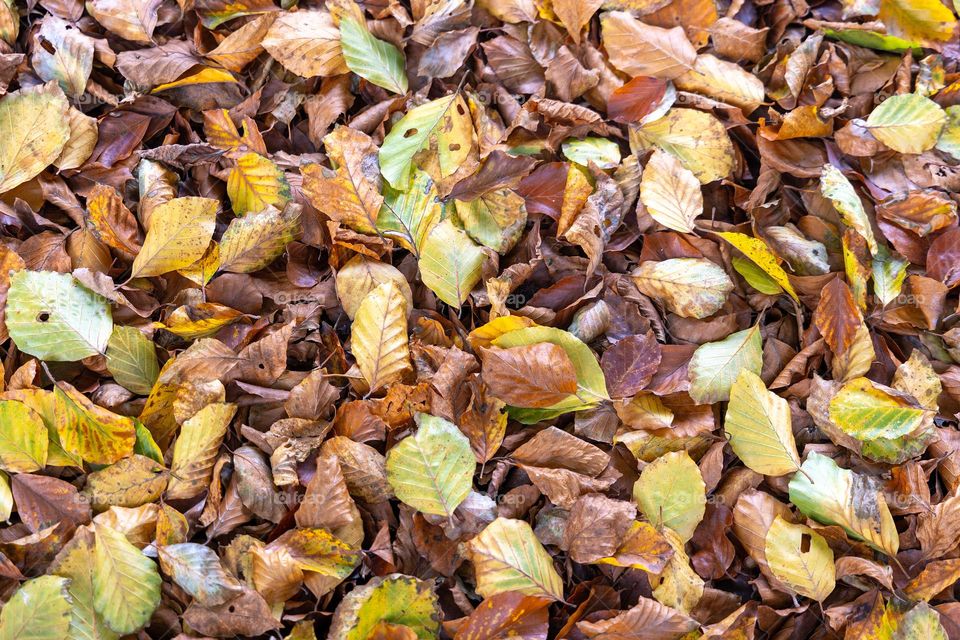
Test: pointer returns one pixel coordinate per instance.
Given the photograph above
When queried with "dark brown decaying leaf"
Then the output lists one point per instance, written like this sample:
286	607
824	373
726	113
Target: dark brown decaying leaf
630	364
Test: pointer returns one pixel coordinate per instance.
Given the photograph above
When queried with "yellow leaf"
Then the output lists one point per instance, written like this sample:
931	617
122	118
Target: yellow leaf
378	336
918	378
126	583
926	21
670	192
254	241
89	431
723	81
482	336
908	123
757	251
306	43
758	425
207	75
678	586
507	556
130	482
689	287
23	438
34	127
361	275
255	183
671	493
199	320
195	450
180	232
837	188
450	263
220	131
698	139
800	558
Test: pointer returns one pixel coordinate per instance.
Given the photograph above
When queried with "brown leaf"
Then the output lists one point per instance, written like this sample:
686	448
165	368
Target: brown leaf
537	375
630	364
837	316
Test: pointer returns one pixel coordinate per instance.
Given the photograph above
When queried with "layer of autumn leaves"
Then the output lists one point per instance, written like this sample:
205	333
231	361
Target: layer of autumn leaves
622	319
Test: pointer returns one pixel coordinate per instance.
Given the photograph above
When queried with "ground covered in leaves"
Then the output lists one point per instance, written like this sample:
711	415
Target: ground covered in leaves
611	319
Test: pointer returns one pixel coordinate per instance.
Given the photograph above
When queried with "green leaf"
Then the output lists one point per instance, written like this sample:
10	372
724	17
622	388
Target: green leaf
126	584
409	215
832	495
76	562
800	558
370	58
432	470
132	359
39	610
835	187
671	493
756	277
450	263
889	272
51	316
23	438
441	126
867	411
715	365
908	123
758	426
757	250
145	445
602	152
496	219
197	570
394	599
875	40
507	556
